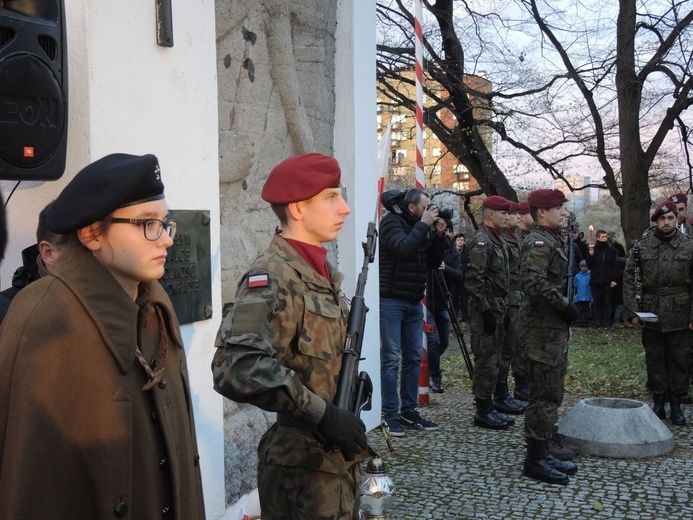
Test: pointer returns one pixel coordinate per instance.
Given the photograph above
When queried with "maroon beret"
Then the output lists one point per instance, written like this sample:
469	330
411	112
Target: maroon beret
496	202
301	177
546	199
523	207
664	207
514	207
679	198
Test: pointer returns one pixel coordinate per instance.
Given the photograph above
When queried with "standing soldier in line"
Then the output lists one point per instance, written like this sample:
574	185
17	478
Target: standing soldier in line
544	332
487	284
280	348
502	400
659	273
519	369
681	201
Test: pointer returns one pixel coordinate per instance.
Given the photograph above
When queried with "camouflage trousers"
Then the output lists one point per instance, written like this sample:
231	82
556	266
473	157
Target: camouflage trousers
667	357
487	354
292	493
545	354
509	348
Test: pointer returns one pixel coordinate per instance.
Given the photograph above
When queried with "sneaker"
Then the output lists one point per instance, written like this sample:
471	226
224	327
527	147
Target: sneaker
436	386
394	428
412	419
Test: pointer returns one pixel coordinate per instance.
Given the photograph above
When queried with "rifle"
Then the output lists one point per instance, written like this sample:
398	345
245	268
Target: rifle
355	389
443	285
571	257
637	275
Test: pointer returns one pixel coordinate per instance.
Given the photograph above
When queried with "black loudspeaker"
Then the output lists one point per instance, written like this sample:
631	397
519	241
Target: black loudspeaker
33	89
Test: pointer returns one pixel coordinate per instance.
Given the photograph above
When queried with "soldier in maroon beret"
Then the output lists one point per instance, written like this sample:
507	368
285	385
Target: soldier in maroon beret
281	348
543	332
525	223
509	352
658	279
487	282
681	201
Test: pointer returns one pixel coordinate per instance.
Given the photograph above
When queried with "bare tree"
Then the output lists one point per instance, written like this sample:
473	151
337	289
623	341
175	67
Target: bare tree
574	85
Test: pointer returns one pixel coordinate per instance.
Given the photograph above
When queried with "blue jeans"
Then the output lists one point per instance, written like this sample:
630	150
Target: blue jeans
437	341
401	333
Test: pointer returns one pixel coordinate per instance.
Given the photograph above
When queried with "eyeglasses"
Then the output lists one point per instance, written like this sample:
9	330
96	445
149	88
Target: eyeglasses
152	227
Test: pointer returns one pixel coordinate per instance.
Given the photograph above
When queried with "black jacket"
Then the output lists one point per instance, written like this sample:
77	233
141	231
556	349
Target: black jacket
408	249
603	264
453	277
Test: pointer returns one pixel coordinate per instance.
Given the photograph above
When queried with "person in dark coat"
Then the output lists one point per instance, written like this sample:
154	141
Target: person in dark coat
411	243
95	408
437	313
603	263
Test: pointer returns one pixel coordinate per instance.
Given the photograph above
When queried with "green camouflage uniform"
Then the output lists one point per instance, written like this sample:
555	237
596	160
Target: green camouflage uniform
667	291
543	333
514	303
280	349
487	281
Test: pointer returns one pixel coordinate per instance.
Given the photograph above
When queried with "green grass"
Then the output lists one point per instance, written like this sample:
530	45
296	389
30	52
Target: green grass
600	363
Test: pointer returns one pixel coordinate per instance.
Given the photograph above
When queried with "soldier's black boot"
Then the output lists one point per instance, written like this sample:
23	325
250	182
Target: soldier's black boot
677	416
521	392
538	467
487	417
506	404
566	467
560	448
658	406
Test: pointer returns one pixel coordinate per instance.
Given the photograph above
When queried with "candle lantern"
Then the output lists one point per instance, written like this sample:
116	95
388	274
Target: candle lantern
378	493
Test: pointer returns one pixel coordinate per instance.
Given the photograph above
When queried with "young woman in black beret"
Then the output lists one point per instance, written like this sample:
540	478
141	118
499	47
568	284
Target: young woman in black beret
95	408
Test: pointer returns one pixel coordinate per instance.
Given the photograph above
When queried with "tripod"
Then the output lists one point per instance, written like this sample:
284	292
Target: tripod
443	285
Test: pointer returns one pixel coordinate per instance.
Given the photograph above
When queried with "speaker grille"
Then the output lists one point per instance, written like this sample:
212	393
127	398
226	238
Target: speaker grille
6	35
49	46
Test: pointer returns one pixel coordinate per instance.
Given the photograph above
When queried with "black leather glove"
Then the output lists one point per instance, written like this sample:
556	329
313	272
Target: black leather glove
489	321
506	322
571	313
342	428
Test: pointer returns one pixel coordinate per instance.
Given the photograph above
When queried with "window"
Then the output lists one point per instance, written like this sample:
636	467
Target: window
435	152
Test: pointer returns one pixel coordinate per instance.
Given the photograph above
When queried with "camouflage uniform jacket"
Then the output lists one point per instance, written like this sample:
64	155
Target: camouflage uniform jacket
279	349
544	267
667	279
513	243
487	277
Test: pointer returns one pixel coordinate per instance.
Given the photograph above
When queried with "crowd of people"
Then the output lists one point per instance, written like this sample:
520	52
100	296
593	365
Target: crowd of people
89	318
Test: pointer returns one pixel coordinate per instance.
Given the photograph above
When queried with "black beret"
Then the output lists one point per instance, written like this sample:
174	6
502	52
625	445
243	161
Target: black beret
113	182
301	177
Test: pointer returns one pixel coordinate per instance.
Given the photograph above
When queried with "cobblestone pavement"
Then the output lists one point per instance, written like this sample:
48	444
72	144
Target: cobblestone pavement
466	472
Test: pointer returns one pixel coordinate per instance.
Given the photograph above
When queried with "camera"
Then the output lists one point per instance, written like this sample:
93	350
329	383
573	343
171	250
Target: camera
444	213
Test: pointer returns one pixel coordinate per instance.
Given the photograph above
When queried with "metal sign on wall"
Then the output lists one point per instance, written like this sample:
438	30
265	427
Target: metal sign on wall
188	273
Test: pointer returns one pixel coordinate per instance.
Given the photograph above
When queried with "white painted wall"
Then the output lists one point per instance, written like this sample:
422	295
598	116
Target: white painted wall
126	94
355	148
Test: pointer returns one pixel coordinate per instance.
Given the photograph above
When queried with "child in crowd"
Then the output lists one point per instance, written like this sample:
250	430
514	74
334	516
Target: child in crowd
583	295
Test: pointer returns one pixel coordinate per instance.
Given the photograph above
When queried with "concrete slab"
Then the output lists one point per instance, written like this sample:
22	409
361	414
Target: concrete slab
617	428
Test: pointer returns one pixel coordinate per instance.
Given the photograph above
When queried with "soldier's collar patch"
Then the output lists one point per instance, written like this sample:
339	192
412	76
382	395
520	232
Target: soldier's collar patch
538	243
258	280
481	244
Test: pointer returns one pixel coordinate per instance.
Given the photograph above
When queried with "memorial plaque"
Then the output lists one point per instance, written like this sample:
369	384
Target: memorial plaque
188	272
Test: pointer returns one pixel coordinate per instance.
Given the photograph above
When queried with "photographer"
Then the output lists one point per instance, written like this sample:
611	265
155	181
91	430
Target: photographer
411	242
